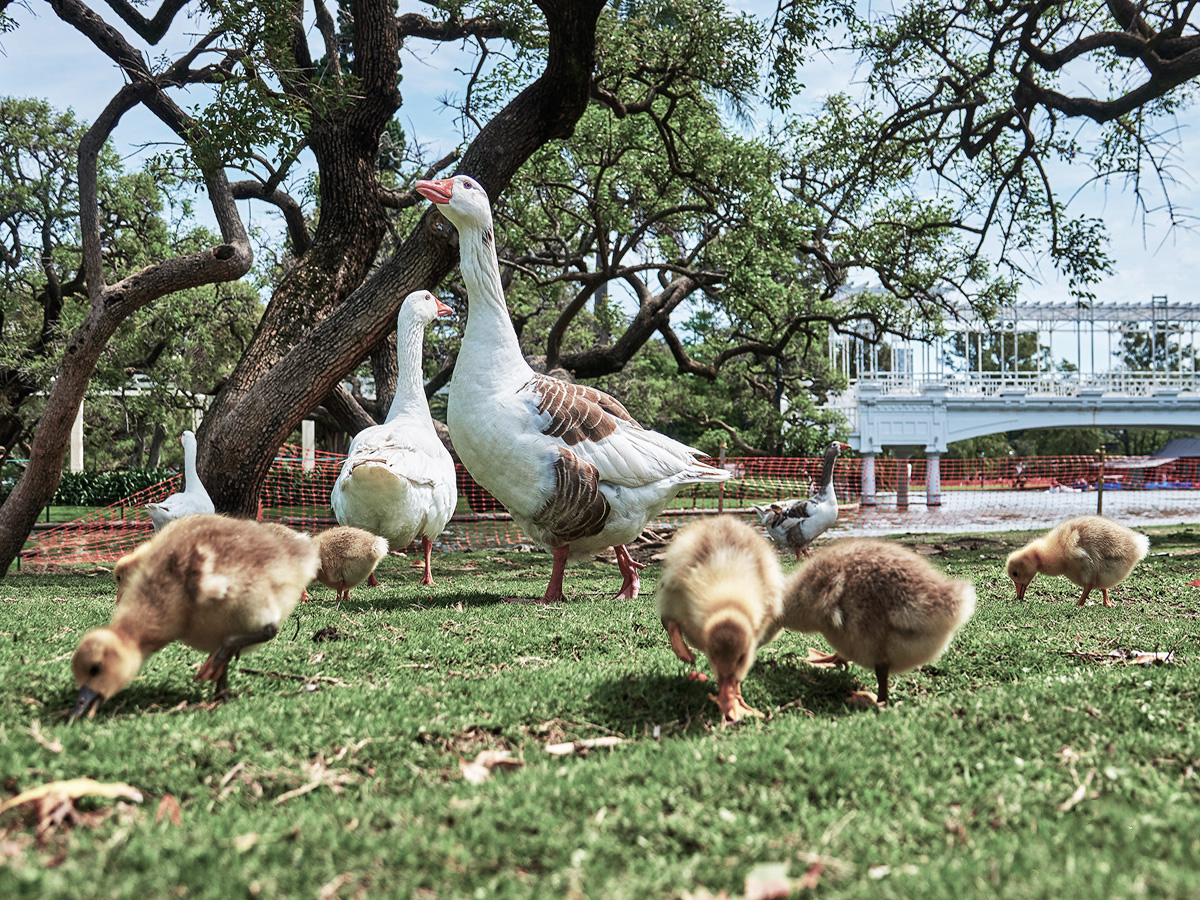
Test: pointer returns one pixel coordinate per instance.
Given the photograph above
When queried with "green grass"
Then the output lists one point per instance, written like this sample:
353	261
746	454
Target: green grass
956	790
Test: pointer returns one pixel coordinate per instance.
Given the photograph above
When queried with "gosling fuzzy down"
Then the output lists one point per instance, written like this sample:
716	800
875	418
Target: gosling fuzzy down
1094	552
348	557
878	604
720	591
220	585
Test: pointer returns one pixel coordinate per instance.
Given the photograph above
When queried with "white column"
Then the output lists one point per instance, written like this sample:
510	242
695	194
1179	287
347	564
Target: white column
77	441
902	476
308	456
933	482
868	480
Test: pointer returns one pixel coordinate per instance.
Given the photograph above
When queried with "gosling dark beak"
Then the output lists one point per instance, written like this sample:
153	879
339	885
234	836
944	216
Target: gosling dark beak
1021	589
87	702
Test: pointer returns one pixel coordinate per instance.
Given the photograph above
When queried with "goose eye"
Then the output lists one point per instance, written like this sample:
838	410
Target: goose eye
94	670
468	186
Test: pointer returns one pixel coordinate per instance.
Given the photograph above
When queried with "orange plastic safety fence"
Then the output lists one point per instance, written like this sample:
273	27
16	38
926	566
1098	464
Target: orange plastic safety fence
959	495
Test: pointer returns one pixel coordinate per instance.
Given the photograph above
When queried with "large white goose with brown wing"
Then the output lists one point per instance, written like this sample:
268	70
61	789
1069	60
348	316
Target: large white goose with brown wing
574	469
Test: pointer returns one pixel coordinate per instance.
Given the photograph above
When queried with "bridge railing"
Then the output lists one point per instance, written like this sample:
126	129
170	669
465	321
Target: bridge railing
1056	384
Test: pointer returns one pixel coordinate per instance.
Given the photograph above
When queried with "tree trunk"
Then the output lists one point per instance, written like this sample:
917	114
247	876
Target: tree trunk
294	364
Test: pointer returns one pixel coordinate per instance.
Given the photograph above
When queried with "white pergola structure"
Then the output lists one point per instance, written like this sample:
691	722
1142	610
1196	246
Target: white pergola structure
909	395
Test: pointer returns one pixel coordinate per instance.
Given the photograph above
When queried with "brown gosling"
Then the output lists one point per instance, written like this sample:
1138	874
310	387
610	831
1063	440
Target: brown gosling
1092	551
720	591
348	557
220	585
879	605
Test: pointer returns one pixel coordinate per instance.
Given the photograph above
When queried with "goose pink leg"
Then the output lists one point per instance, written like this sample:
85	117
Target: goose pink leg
427	546
629	572
554	590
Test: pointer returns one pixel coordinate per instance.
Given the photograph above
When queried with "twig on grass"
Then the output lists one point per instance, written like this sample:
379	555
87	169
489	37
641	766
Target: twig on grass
306	678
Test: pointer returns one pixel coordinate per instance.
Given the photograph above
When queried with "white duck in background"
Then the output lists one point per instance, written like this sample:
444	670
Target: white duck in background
568	462
795	524
398	477
192	500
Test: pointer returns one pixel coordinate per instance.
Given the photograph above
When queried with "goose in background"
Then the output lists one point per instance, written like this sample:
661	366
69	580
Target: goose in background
794	524
192	500
398	478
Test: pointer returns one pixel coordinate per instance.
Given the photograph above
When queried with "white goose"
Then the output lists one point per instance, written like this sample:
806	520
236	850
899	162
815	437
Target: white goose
398	478
192	500
574	469
795	524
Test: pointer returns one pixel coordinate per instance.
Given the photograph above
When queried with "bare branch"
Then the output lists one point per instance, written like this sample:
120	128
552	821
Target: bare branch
150	30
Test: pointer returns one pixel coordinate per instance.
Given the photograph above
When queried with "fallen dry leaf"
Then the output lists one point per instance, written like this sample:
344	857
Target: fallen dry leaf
168	808
568	747
480	770
73	789
243	842
767	881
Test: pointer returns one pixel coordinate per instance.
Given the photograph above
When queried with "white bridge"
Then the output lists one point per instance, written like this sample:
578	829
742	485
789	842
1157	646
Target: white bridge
933	393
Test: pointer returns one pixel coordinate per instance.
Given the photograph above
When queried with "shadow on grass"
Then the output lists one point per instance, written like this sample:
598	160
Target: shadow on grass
776	687
144	699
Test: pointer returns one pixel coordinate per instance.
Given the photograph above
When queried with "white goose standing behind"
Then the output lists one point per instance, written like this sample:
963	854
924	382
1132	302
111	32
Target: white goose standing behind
192	500
795	524
570	464
398	477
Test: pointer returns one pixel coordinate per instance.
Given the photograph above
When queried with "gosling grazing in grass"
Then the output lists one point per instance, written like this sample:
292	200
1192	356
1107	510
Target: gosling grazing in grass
1092	551
220	585
878	604
348	557
720	592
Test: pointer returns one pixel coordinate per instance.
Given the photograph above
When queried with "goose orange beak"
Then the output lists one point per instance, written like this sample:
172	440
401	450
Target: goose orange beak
443	309
436	191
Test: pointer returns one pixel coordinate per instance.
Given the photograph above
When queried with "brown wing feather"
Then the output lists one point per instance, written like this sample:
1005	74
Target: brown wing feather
577	509
577	412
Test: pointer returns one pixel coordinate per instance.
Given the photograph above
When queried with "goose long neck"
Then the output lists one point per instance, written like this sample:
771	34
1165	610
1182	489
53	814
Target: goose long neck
409	399
488	322
827	472
191	480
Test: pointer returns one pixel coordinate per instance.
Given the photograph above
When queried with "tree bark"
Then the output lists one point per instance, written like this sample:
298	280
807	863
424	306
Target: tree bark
295	364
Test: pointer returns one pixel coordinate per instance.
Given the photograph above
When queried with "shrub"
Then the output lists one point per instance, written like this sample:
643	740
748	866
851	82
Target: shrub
103	488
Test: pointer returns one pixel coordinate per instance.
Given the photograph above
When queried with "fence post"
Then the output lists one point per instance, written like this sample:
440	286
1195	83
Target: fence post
1100	485
77	441
308	456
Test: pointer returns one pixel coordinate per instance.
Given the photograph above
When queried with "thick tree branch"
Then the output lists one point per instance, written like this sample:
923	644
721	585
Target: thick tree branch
150	30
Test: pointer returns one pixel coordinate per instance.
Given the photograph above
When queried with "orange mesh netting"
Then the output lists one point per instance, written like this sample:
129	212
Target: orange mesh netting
976	495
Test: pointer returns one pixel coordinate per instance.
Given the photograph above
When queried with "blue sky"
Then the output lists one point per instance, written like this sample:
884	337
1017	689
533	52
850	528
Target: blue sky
47	59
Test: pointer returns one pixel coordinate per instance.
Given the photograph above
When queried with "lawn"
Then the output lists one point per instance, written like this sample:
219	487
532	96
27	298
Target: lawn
1023	764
